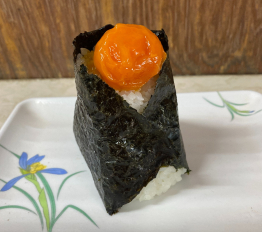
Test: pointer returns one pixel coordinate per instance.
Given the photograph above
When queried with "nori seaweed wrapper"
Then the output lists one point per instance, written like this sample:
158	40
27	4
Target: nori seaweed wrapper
123	148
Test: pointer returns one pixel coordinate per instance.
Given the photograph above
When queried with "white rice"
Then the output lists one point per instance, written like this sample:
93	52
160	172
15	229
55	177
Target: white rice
166	177
138	99
81	57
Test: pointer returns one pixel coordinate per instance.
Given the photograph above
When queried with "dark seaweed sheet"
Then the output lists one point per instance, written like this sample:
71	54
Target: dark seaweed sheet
124	149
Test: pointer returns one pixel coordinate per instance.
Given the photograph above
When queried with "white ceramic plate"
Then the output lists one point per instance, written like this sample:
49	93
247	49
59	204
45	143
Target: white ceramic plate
222	193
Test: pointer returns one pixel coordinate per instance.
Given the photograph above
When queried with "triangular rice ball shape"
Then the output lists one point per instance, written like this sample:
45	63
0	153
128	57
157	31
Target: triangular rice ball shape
124	149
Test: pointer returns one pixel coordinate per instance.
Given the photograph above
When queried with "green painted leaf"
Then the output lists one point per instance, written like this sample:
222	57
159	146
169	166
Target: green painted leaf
63	182
244	111
241	112
257	111
245	114
237	104
32	201
51	199
23	172
230	111
214	103
238	111
32	177
231	107
42	198
35	182
77	209
17	156
219	94
17	207
43	203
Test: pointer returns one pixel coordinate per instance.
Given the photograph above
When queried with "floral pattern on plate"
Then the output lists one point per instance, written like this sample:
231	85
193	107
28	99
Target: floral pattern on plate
233	110
32	170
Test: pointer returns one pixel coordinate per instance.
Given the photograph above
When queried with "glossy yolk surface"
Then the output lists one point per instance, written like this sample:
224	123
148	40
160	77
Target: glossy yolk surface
127	56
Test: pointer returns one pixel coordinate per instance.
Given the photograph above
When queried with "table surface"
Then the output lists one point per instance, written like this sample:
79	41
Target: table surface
14	91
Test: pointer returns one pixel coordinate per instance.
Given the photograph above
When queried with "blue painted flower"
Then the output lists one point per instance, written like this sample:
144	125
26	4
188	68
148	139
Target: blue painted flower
32	166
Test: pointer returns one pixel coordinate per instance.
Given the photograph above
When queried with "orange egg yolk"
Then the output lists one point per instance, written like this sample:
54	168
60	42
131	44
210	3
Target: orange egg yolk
127	56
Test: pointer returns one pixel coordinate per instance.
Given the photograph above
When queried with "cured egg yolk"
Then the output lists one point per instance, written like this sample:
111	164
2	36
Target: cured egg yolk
127	56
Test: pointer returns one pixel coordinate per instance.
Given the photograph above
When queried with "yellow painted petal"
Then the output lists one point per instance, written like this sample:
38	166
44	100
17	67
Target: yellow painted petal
36	167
